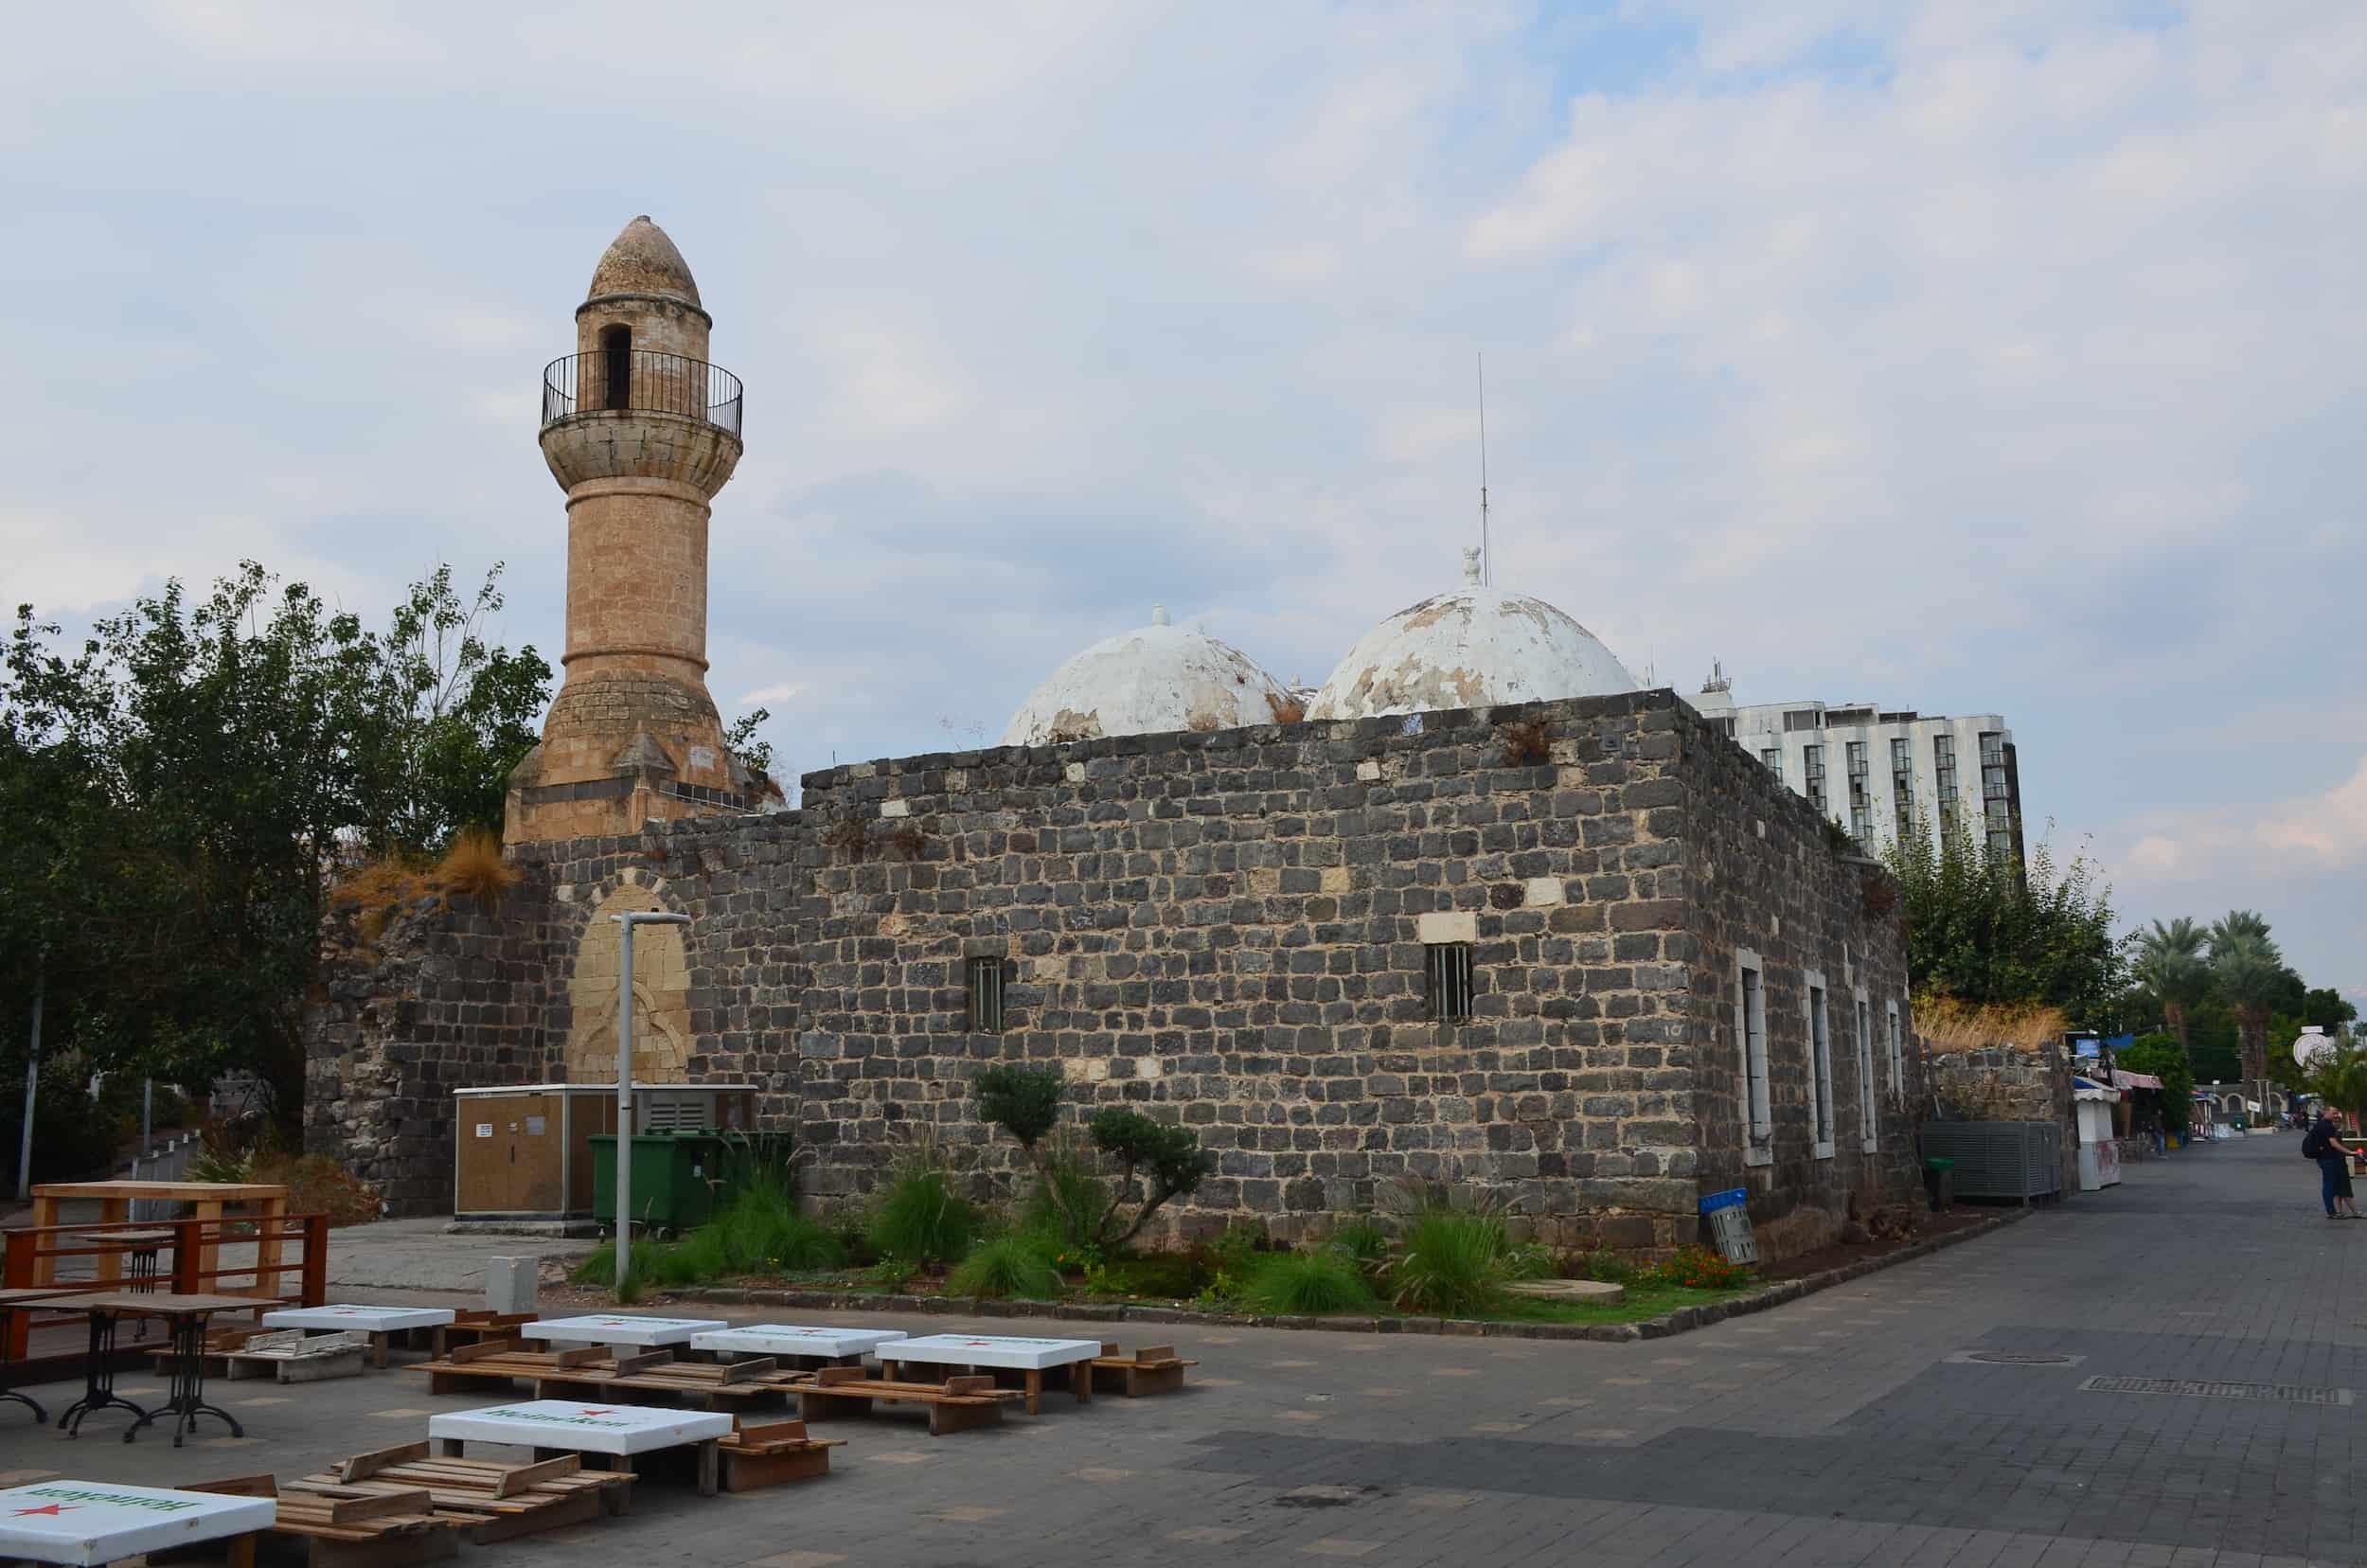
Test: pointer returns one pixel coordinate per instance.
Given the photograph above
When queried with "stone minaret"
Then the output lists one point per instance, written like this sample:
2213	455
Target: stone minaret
640	431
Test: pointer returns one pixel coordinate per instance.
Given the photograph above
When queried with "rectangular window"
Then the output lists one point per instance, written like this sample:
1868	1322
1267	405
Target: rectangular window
1773	757
1801	719
1447	982
1866	1118
1899	1055
1757	1107
1814	757
986	995
1820	1067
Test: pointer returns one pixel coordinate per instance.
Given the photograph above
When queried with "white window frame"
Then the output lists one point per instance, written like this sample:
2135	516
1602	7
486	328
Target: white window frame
1868	1113
1897	1055
1820	1054
1754	1098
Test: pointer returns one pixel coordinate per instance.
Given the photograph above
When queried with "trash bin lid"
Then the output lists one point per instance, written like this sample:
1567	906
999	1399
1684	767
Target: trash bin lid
1939	1161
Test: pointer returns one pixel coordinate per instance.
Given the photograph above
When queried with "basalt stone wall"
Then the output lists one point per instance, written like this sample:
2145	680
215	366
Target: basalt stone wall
1227	930
416	1001
1761	874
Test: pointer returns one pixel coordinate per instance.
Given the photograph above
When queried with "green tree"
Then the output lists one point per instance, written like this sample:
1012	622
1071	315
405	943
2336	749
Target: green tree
183	784
2340	1078
2248	973
2328	1008
2164	1057
2170	964
1982	928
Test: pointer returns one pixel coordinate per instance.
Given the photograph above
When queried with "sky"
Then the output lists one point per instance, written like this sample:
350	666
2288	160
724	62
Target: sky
1964	358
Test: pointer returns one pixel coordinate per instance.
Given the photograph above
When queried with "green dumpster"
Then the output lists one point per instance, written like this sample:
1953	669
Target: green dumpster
674	1178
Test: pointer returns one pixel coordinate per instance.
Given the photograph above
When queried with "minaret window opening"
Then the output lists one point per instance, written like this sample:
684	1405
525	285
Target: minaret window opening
616	367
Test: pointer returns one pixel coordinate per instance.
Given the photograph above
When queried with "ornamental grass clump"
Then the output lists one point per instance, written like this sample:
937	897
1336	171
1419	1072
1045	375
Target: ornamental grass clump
1454	1264
1305	1284
922	1219
1012	1265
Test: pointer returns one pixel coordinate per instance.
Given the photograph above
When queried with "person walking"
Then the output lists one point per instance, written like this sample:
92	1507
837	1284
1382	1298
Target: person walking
2325	1145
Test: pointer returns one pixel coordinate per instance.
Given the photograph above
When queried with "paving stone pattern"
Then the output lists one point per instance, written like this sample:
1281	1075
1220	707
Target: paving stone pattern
1835	1430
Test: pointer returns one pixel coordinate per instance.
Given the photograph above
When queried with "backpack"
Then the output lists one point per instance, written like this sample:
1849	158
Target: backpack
2315	1144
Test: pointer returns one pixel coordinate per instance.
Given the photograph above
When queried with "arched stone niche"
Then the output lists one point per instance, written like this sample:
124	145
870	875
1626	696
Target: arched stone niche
661	996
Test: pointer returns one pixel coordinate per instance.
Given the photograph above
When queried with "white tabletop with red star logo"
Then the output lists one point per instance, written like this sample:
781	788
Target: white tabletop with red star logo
587	1425
620	1329
374	1320
83	1522
1004	1350
795	1339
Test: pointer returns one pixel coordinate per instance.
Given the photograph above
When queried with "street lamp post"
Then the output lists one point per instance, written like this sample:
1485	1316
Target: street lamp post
624	1075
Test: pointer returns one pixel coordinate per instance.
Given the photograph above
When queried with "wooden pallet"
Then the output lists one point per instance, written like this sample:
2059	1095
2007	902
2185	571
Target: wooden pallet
1153	1370
501	1362
657	1378
219	1342
290	1355
772	1454
956	1404
491	1500
474	1325
343	1528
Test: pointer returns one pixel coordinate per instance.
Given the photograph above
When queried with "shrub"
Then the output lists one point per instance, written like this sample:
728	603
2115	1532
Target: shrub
1532	1261
1607	1268
1307	1283
1007	1266
1699	1269
473	868
922	1219
893	1273
1025	1103
318	1185
1454	1264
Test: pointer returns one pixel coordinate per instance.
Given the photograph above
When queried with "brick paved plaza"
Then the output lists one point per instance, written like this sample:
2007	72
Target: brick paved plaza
1848	1428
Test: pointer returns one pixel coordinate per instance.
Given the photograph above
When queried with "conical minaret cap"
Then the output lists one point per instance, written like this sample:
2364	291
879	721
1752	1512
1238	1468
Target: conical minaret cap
643	261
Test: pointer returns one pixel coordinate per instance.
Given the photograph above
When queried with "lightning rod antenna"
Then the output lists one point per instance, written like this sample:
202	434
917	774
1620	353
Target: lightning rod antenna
1487	560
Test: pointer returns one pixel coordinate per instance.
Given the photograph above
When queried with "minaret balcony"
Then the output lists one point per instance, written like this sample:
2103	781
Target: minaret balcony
640	415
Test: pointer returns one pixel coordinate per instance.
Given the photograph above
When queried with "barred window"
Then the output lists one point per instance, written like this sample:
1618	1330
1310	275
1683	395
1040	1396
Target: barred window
1757	1102
986	995
1820	1067
1447	982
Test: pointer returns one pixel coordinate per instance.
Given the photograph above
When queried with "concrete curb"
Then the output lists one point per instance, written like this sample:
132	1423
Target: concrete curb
1678	1322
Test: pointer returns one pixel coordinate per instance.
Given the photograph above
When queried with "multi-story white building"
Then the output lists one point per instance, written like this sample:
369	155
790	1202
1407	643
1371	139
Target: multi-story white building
1877	771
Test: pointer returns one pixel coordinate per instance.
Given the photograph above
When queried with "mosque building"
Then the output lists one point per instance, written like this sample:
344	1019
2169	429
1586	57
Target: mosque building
1477	911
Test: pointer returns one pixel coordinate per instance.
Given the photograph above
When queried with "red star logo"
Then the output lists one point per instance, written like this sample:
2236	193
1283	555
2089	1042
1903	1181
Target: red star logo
596	1412
52	1510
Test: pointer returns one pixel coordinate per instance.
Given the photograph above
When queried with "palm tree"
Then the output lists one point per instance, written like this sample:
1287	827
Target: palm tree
2170	964
2248	971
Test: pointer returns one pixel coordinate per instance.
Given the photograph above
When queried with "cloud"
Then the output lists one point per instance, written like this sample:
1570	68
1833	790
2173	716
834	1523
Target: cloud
1968	358
766	696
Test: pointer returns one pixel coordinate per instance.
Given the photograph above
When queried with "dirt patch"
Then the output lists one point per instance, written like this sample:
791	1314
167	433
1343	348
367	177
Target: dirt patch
1839	1254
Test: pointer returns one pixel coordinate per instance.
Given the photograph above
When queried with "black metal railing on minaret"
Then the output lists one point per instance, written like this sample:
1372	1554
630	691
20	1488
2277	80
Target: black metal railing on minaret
640	382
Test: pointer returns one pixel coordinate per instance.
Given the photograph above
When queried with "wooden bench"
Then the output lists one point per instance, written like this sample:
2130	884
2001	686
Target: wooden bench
490	1500
772	1453
473	1325
954	1405
1156	1369
351	1527
501	1362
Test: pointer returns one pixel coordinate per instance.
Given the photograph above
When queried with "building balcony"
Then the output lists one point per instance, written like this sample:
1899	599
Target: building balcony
640	415
640	382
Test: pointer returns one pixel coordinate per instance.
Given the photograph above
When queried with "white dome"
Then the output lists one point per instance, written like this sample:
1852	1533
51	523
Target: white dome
1152	680
1477	646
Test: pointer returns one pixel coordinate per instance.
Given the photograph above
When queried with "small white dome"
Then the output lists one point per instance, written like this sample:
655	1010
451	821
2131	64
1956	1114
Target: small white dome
1148	681
1477	646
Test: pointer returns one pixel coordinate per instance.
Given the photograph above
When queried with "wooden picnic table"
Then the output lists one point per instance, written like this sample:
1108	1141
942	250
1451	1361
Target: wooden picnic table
619	1432
1030	1358
83	1524
208	1198
187	1315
